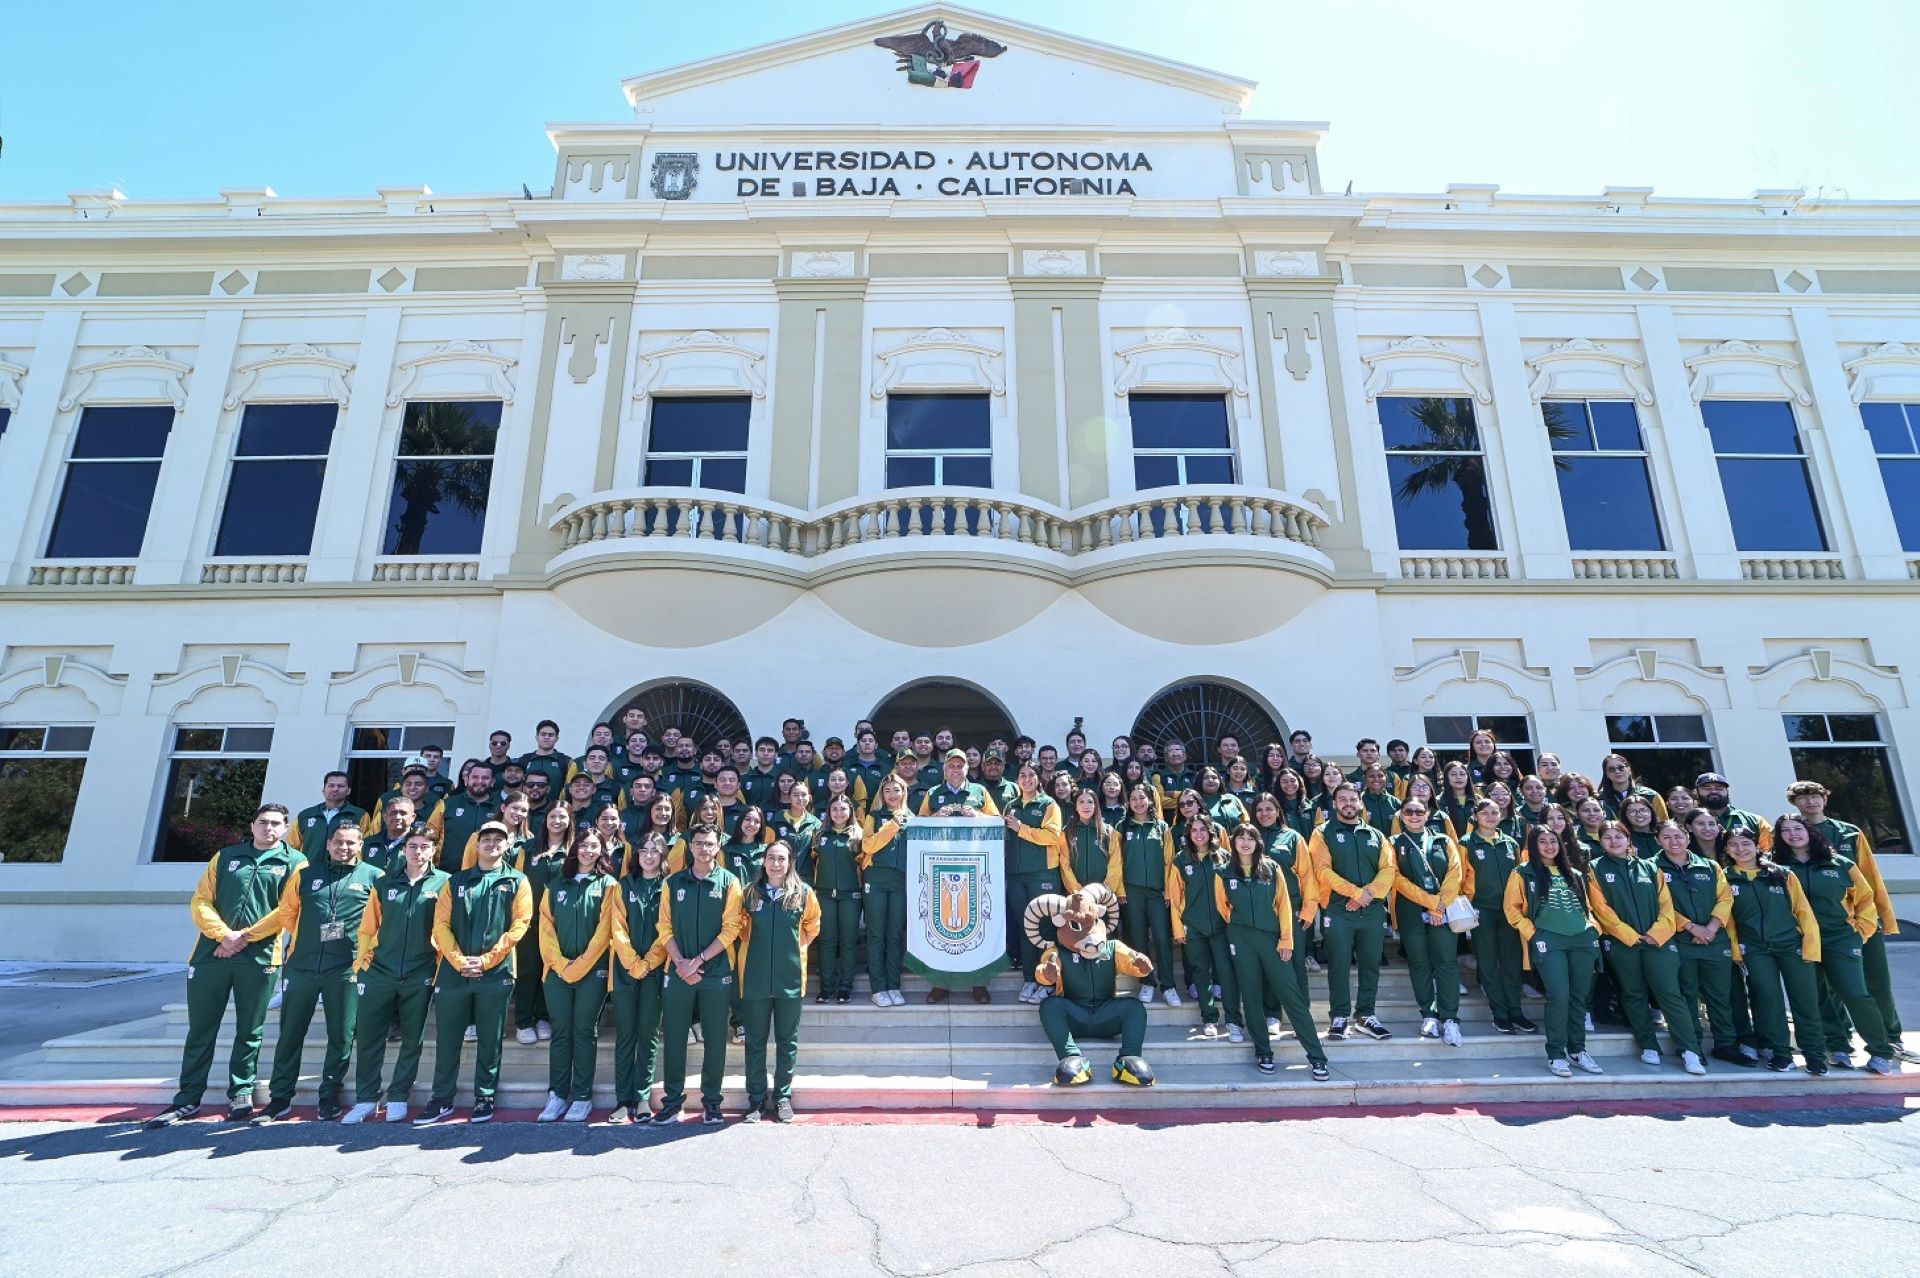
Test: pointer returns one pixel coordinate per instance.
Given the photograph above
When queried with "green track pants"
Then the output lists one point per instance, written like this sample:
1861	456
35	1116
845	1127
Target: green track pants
381	1001
209	986
682	1006
479	1001
782	1017
1566	965
1649	977
636	1037
1368	940
574	1051
339	996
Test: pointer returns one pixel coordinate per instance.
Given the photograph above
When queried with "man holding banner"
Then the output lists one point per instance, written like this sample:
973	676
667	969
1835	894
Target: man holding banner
956	862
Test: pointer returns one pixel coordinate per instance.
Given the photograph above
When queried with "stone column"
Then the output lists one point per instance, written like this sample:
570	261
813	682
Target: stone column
1841	453
1682	446
32	450
1517	447
816	391
191	471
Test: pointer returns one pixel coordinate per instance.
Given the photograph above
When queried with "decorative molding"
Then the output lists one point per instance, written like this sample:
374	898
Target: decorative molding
1053	261
10	375
1180	359
455	370
1531	689
1626	568
426	570
1739	368
1286	262
1793	568
61	672
1584	368
279	689
464	692
820	264
1888	371
593	266
1706	688
1492	567
940	359
131	375
1773	685
1422	366
253	572
702	361
296	371
71	573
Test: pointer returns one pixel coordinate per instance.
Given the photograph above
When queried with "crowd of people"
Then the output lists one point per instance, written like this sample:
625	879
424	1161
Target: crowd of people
705	889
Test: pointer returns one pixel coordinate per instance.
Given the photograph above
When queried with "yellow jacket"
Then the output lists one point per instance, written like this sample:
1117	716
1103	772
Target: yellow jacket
1515	906
1049	834
520	921
1328	883
1125	961
1116	868
1802	915
620	940
809	932
1665	924
1451	884
556	963
1282	907
207	918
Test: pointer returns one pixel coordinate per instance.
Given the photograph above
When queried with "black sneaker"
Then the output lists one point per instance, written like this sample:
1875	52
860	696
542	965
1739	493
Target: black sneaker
1264	1064
1816	1067
1525	1026
1372	1028
1337	1030
275	1111
712	1117
482	1112
239	1113
171	1115
668	1116
1731	1056
823	997
1504	1027
753	1113
1320	1072
843	997
435	1113
783	1111
329	1110
1779	1062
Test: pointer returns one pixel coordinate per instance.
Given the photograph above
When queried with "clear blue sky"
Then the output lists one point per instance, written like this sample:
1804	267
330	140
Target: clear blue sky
1692	97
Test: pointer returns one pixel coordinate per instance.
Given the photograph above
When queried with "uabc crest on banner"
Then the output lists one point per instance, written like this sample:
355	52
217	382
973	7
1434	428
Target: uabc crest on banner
957	934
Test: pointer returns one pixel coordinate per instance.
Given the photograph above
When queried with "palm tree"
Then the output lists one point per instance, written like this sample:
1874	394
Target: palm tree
447	458
1449	430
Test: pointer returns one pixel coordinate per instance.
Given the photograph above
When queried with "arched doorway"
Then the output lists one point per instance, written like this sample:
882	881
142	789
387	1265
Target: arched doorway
697	710
927	705
1198	712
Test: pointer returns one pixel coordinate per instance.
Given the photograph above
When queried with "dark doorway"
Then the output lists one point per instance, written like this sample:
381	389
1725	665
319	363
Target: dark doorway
932	704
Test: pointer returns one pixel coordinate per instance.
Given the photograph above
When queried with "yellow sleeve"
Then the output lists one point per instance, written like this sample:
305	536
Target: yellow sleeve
879	838
924	799
443	929
1283	911
579	969
369	935
1220	899
1722	897
516	928
470	855
1404	886
205	916
1469	877
733	917
1882	902
1177	902
1666	922
551	959
1116	865
1766	834
809	925
1451	885
1603	914
285	914
372	822
1068	878
987	805
620	937
293	834
677	854
1323	874
1383	880
1049	834
1515	906
663	932
1307	908
1131	962
1860	908
1803	915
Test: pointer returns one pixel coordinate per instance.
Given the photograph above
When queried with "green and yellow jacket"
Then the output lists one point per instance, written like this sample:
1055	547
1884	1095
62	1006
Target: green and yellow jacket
482	913
323	910
313	826
576	926
396	929
244	890
774	941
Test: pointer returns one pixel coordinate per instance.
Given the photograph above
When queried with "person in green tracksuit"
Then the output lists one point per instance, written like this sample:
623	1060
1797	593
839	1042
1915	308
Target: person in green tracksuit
323	910
540	861
780	920
237	906
1146	861
1351	860
1809	798
1197	924
462	813
699	924
883	875
1489	857
576	924
1428	876
1546	903
478	922
1251	896
393	967
637	982
388	848
1777	938
836	881
1842	903
1702	908
1634	910
796	826
1091	847
1288	848
315	825
1085	1000
1034	847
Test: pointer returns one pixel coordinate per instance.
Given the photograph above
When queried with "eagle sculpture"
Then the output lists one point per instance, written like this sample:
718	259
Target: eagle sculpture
937	50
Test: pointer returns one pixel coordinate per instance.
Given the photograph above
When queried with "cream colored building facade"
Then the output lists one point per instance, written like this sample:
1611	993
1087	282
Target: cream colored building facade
804	231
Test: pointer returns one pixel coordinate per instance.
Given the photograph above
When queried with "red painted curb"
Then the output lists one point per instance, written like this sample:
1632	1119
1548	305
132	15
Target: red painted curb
1903	1094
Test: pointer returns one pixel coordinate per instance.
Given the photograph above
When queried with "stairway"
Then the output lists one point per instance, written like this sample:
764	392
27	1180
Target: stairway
962	1055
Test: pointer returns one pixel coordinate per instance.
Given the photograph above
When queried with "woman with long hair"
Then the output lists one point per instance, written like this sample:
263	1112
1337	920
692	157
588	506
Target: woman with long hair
1146	863
1033	866
1592	817
1296	809
1428	876
1273	761
1197	924
1702	907
576	927
782	917
1420	786
797	827
544	859
1489	859
660	823
1458	796
1113	798
636	984
1239	781
1313	769
1219	804
1842	903
1703	832
1092	847
1481	748
1776	938
1512	824
1618	784
1533	801
613	836
1061	788
1251	897
1288	848
1634	910
1642	826
1546	903
836	882
883	869
741	854
1427	764
1572	789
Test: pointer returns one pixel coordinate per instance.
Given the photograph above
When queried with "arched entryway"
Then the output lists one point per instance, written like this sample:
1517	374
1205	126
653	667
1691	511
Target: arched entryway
697	710
927	705
1198	712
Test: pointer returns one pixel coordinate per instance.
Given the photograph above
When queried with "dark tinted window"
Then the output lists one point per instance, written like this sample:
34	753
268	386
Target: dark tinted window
1440	502
698	424
909	472
271	508
6	415
37	798
455	428
1771	503
938	422
103	510
1892	428
669	472
1861	780
286	430
208	805
124	432
442	478
1445	425
1179	422
1751	425
1608	503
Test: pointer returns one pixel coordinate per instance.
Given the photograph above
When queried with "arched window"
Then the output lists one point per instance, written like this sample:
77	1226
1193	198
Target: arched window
698	711
1198	712
927	705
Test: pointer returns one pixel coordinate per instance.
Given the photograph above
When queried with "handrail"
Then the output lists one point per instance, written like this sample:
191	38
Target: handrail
908	514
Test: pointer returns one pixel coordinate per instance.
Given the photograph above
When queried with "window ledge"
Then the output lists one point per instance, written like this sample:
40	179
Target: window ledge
1626	568
424	569
223	572
1454	567
81	573
1792	568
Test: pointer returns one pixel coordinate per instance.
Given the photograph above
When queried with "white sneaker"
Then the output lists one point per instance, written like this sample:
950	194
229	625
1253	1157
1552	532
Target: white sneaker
1691	1062
1559	1069
527	1036
1026	991
1215	991
1450	1034
544	1029
1313	966
396	1111
1463	989
1430	1027
471	1036
360	1113
1589	1025
1881	1065
578	1111
1650	1057
1235	1034
279	995
882	999
556	1106
1146	993
897	998
1586	1062
1193	991
1173	997
1209	1030
1273	1028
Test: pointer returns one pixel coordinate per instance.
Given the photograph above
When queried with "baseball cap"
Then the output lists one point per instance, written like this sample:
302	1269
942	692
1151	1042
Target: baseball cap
499	826
1710	778
993	756
836	741
951	755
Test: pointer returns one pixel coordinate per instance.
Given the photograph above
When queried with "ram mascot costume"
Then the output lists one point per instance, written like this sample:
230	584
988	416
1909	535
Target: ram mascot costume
1079	965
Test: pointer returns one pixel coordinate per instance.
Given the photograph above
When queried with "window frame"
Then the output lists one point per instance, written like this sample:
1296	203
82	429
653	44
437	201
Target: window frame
177	755
1389	453
235	462
69	461
1910	418
1881	740
399	459
1821	522
939	455
10	752
1446	753
1595	452
395	755
1230	450
649	454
